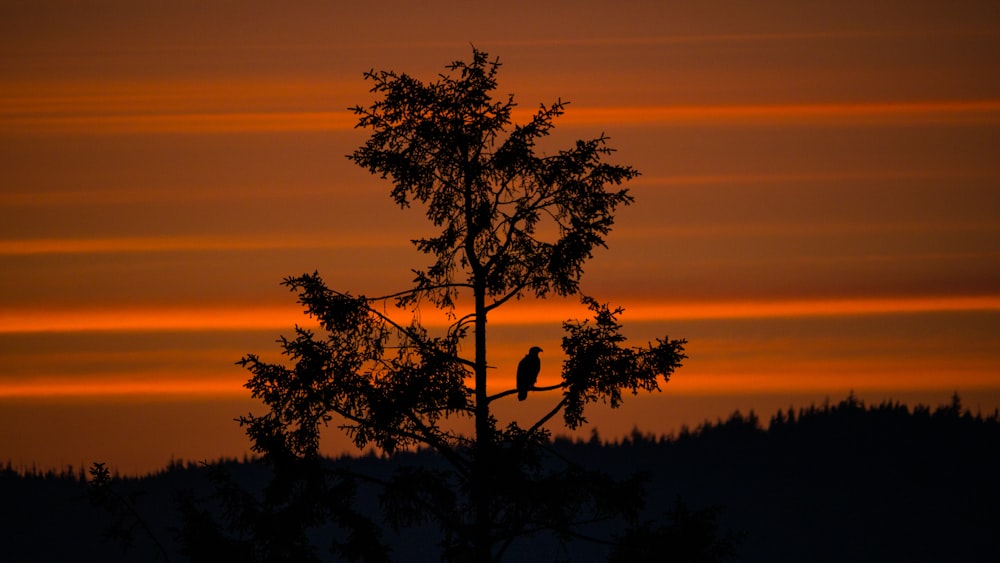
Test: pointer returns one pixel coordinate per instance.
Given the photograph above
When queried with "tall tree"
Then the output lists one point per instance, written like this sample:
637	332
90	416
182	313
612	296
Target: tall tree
512	223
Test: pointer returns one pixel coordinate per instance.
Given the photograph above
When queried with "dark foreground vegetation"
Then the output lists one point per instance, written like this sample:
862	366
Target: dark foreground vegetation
837	482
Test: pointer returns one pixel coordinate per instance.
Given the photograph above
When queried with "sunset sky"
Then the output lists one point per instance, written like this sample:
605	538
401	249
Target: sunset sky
818	210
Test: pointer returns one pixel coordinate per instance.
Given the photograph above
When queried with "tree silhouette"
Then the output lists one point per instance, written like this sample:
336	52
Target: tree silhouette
511	224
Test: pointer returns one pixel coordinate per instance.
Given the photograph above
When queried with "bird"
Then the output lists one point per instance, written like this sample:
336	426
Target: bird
527	372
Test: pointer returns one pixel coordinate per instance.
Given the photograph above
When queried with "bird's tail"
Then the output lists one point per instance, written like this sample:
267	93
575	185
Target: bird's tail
522	394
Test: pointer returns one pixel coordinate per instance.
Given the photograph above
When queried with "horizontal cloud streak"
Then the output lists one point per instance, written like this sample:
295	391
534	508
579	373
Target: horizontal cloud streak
327	241
257	318
194	244
654	311
696	39
931	351
180	194
150	319
815	177
94	386
856	114
882	113
187	123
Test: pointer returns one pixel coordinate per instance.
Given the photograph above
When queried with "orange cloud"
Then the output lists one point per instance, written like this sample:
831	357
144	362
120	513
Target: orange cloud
838	307
882	113
813	177
836	377
703	374
536	313
654	311
188	243
186	123
703	38
165	319
97	387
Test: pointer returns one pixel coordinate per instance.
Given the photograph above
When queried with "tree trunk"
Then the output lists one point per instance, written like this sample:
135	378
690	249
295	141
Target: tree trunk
481	495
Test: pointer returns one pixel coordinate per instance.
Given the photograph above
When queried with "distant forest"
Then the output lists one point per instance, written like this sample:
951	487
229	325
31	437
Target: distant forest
836	482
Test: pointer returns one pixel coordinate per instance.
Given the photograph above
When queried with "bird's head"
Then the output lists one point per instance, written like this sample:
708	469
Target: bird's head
535	350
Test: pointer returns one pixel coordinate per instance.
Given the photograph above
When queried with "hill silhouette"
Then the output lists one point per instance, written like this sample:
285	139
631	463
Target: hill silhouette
834	482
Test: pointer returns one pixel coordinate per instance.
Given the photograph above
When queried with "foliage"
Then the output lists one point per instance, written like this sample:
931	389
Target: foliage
125	520
599	368
446	146
682	535
512	223
275	525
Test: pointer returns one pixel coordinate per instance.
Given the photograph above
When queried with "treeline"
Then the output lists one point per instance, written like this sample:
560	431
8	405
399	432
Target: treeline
68	473
827	420
839	481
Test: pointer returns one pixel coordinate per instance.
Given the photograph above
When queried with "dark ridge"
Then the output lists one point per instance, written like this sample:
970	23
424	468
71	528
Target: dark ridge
836	482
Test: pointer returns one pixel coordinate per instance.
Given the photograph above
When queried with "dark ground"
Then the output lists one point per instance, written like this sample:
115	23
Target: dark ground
844	482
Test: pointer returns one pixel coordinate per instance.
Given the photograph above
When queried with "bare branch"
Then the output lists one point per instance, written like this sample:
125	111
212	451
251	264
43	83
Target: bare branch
509	392
559	406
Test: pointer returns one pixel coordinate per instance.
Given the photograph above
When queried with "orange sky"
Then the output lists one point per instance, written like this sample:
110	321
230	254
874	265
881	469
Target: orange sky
818	211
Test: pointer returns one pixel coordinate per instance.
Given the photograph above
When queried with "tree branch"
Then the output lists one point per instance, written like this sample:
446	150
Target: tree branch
512	294
447	518
414	291
508	392
547	417
429	439
461	464
417	339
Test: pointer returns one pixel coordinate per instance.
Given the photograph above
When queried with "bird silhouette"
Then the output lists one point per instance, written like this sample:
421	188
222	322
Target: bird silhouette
527	372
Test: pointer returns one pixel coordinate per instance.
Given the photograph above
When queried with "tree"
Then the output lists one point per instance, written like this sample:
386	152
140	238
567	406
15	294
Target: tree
512	224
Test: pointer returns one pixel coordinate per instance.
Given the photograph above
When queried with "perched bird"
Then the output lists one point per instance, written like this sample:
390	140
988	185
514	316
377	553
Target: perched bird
527	372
